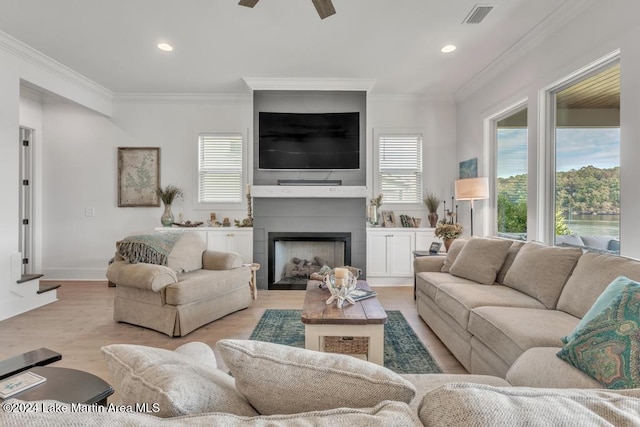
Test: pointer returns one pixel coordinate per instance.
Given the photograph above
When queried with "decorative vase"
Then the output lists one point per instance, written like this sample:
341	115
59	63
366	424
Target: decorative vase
167	216
372	214
433	219
447	243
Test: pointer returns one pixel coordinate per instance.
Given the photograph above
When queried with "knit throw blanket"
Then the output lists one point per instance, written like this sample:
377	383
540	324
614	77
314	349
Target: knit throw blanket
148	248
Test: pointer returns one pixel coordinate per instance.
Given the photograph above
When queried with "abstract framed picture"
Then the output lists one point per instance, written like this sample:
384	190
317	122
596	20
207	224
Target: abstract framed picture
469	168
138	176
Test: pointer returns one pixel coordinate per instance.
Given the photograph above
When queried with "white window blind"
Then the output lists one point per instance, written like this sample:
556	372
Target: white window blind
400	168
220	168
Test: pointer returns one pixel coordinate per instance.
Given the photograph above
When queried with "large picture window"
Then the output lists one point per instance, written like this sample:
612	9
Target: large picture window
587	160
220	168
511	135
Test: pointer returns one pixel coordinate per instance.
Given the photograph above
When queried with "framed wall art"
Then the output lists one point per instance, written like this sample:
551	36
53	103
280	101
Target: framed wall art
388	218
138	176
469	168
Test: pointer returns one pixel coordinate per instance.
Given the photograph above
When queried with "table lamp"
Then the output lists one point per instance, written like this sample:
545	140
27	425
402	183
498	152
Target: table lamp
472	189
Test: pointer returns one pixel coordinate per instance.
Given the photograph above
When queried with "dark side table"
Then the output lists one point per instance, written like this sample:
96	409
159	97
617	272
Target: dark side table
66	385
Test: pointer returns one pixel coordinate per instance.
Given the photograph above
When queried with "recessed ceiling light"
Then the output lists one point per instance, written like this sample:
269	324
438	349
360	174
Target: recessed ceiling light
165	46
448	48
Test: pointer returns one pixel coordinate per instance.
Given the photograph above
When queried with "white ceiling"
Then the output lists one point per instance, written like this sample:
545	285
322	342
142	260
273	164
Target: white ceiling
217	42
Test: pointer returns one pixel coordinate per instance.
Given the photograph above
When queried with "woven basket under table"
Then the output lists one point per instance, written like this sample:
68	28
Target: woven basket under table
346	345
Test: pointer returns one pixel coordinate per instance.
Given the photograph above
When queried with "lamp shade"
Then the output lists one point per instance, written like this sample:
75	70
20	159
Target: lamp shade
472	188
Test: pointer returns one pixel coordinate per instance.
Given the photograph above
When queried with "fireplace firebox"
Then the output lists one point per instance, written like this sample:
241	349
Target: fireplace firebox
294	256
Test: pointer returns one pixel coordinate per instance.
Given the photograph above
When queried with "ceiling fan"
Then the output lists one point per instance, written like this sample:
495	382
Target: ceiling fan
324	7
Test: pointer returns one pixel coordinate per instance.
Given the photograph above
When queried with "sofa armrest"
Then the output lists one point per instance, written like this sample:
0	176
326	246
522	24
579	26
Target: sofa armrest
141	275
220	260
428	263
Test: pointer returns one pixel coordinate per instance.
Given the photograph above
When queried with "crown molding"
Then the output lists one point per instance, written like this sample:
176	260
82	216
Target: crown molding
28	54
183	98
552	23
309	84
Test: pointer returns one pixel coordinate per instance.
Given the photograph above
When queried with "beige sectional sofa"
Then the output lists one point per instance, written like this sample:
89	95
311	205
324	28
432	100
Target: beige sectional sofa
275	385
195	287
512	325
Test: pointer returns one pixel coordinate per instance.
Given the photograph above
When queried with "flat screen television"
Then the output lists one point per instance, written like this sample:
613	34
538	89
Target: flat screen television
303	141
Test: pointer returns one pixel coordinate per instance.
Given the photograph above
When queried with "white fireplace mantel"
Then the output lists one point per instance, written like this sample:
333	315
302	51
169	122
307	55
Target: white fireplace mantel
309	191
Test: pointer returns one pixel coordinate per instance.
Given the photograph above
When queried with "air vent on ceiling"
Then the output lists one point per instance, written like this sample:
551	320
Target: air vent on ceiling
477	14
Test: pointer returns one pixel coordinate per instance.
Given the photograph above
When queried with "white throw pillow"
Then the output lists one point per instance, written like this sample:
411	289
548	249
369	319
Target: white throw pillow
173	382
278	379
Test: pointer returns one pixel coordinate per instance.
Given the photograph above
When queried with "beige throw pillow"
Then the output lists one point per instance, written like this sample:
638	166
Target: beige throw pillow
480	260
180	382
186	254
541	271
452	254
278	379
516	245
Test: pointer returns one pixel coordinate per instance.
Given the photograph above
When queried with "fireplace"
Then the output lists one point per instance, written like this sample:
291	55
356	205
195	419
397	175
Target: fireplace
294	256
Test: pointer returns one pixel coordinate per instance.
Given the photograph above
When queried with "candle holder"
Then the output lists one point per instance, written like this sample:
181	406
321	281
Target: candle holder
340	282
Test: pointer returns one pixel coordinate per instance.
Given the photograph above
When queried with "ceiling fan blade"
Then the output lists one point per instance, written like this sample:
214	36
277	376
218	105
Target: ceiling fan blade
248	3
324	7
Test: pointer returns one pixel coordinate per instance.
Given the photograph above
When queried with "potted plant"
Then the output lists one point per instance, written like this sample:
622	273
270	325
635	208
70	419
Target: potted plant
433	202
168	195
448	229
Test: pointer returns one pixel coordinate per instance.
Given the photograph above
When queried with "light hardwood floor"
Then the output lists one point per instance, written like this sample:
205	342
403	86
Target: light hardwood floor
81	322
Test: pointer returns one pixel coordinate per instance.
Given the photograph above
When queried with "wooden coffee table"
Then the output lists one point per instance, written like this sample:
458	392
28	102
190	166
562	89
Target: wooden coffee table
365	318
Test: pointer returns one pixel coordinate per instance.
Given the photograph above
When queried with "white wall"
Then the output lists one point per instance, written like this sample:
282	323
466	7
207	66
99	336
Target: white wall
435	118
588	37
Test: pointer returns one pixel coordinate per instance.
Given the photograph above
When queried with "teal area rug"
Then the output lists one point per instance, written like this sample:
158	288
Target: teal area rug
404	353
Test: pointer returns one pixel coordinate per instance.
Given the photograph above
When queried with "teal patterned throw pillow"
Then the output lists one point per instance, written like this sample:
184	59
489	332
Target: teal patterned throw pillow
608	347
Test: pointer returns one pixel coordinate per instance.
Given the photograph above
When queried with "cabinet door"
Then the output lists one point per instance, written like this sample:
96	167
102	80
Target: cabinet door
241	242
400	254
217	240
377	254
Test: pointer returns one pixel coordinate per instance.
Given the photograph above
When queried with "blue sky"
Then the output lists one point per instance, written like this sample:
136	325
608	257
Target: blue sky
576	148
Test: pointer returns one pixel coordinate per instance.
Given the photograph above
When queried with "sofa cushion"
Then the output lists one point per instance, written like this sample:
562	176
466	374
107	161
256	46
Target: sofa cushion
570	239
463	404
516	245
480	260
607	347
509	331
540	367
452	254
202	284
592	275
387	413
458	299
541	271
184	381
429	282
598	242
186	254
278	379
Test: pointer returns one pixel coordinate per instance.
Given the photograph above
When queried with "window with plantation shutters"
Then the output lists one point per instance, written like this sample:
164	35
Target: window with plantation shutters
400	168
220	168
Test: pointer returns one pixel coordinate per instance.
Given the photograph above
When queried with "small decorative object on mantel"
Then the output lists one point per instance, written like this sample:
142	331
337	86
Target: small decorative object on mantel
248	221
410	221
341	281
213	222
372	210
168	195
188	223
388	218
226	222
433	202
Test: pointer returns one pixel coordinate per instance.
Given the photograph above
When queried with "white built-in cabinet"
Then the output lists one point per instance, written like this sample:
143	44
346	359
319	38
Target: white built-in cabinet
390	253
224	239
